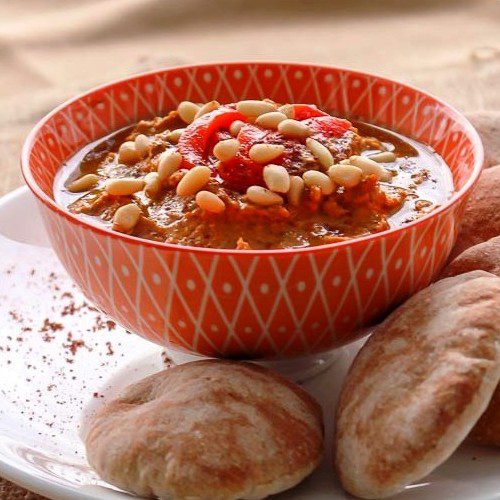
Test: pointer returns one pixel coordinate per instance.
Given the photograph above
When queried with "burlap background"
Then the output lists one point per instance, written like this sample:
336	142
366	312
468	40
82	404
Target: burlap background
52	49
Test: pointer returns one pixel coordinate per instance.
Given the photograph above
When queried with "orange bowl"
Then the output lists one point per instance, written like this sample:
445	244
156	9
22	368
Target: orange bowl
253	304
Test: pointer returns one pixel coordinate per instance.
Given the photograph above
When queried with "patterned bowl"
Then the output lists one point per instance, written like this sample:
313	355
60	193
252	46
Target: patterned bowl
253	304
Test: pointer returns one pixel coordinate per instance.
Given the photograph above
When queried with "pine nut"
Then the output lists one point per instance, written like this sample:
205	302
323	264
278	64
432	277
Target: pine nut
345	175
276	178
253	108
187	111
127	153
210	202
293	128
193	181
126	218
226	150
175	135
170	162
235	127
286	109
270	120
261	196
320	152
142	144
262	153
84	183
296	190
370	167
152	184
383	157
315	178
124	186
206	108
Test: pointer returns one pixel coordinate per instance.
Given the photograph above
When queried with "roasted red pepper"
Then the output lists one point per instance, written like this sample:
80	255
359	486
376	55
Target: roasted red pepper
326	127
304	111
195	140
242	172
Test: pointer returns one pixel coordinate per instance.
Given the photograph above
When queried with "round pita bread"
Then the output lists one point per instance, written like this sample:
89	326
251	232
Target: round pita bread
207	430
485	257
419	385
481	220
487	430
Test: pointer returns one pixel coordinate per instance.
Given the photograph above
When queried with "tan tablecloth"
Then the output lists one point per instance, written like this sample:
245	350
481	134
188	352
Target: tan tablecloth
52	49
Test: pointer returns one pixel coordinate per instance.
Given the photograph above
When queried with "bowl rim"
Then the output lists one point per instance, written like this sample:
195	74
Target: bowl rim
54	206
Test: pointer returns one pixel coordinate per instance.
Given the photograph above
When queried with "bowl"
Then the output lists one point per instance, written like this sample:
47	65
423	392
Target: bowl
251	304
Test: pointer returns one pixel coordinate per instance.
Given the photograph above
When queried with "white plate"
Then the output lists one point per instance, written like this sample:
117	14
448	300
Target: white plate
44	386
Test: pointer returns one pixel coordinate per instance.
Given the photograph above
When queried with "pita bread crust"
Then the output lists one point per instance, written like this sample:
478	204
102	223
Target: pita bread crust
481	219
485	256
487	123
207	430
419	385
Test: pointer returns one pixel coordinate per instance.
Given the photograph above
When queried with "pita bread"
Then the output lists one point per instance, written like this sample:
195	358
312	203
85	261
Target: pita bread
207	430
481	220
487	430
418	385
485	256
487	123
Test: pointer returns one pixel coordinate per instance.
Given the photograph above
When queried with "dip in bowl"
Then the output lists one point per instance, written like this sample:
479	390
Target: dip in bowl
292	176
276	212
